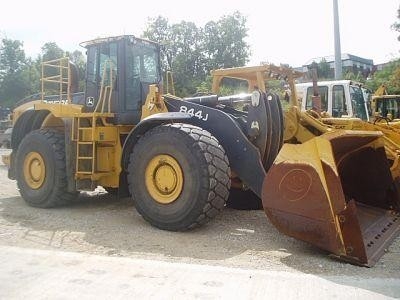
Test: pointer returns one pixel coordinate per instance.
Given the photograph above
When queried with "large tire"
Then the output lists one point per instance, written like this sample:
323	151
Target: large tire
196	195
243	200
41	169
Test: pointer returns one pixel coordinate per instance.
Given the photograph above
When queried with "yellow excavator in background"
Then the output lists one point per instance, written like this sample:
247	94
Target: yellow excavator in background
177	158
385	106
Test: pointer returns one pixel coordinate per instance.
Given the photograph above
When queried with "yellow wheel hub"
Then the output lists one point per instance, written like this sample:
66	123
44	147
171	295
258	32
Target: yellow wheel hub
34	170
164	179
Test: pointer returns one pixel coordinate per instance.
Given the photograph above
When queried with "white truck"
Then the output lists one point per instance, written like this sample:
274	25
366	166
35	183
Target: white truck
339	98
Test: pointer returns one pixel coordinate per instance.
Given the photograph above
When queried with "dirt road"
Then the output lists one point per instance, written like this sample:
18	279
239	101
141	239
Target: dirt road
104	225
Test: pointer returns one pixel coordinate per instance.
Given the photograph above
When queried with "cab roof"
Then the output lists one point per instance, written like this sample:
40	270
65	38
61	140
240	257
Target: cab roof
114	39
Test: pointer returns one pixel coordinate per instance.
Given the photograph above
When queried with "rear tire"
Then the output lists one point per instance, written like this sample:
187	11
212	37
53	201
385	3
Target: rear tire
41	169
178	176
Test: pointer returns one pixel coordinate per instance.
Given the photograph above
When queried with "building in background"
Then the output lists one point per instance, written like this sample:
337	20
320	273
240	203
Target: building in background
350	63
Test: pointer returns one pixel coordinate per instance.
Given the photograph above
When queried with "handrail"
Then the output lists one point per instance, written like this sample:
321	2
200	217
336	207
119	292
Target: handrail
56	79
105	95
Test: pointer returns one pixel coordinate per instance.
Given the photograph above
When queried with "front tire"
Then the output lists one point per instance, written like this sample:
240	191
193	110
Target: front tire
41	169
178	176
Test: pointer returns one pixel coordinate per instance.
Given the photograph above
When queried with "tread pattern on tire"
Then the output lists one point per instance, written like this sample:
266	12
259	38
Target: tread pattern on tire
216	167
59	196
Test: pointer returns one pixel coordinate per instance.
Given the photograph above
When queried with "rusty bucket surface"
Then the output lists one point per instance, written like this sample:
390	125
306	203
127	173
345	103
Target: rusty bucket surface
335	192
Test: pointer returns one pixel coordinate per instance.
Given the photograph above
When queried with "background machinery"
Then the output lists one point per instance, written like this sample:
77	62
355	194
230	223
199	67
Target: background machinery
344	107
178	157
386	106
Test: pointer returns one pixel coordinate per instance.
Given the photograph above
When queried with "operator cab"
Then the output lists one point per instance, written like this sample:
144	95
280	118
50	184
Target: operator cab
128	65
339	98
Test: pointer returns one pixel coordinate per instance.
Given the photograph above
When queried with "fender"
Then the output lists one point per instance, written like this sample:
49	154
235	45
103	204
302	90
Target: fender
244	157
145	125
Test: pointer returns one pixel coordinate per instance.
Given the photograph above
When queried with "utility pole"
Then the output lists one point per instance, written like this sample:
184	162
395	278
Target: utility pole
338	53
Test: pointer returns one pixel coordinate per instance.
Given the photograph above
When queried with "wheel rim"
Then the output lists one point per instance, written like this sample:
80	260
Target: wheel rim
164	178
34	170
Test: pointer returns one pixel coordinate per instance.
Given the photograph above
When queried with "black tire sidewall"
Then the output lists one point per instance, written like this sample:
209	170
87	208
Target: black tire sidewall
186	208
37	142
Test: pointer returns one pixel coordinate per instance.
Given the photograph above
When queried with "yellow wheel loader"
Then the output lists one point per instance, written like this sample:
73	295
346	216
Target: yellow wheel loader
177	157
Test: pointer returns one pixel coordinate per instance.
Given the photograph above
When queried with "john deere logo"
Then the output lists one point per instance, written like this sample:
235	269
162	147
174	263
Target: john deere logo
89	101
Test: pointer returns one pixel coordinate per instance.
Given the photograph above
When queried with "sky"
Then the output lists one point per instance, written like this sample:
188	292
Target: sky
280	31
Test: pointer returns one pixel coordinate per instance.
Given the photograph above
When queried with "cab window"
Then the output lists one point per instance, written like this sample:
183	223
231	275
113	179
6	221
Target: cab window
101	59
107	63
91	68
357	102
339	107
323	91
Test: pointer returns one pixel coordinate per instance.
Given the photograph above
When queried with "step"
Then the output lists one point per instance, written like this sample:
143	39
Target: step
85	143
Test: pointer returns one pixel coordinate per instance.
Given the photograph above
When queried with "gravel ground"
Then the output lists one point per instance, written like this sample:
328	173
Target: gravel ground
99	223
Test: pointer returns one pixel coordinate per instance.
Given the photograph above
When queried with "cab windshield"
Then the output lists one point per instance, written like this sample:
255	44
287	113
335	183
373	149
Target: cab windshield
143	62
358	103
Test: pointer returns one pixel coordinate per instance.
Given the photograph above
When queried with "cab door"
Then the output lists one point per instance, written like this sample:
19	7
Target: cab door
102	68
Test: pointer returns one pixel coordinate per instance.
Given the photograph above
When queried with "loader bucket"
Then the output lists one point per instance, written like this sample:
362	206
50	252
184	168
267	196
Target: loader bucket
336	192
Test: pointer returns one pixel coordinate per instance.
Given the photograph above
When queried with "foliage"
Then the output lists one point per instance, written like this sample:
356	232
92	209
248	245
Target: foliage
191	52
12	57
389	75
20	76
323	69
79	60
224	42
14	72
396	25
355	77
51	51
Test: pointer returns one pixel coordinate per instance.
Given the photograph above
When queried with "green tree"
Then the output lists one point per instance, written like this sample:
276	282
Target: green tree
389	75
396	25
20	75
79	60
187	62
12	57
180	52
159	30
355	77
224	42
50	51
324	69
191	51
14	72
